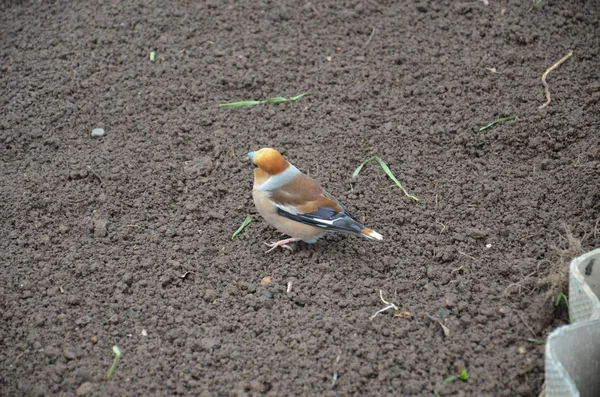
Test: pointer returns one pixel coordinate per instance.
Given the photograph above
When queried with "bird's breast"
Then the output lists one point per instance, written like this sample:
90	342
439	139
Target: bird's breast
268	211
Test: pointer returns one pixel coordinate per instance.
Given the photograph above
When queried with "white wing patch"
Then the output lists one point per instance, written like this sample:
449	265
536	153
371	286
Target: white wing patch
290	209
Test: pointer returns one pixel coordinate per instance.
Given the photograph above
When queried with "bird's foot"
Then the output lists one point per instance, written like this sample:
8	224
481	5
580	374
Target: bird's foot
280	243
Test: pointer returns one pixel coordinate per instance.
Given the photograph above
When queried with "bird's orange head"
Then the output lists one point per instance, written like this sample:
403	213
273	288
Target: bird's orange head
268	162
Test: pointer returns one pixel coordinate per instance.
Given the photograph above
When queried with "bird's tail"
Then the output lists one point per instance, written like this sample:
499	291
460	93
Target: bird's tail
371	234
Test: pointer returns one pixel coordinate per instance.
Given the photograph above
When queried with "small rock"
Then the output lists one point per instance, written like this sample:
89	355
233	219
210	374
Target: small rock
100	228
450	301
127	279
388	126
504	310
200	166
70	353
268	294
98	132
260	387
73	300
83	320
85	389
209	343
76	175
216	215
421	8
93	339
191	205
144	332
593	87
52	142
210	295
51	351
458	237
476	233
463	8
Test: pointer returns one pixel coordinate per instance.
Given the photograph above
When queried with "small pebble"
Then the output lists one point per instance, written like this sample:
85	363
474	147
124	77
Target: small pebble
51	351
93	339
100	228
70	354
98	132
476	233
83	320
85	389
209	343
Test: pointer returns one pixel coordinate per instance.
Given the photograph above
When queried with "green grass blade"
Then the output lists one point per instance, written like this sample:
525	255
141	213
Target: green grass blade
538	341
388	172
449	379
276	100
560	298
485	127
242	226
295	98
282	99
357	171
270	100
241	103
115	363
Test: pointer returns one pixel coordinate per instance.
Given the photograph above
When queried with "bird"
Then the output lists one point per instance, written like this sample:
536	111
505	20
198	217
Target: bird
296	204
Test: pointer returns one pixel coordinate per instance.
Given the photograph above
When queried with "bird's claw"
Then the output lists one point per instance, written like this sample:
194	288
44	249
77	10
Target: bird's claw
275	244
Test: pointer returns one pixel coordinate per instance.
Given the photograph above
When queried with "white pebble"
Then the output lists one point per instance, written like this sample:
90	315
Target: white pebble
98	132
488	246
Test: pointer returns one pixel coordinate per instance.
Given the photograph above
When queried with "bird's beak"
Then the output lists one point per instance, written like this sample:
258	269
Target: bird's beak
251	155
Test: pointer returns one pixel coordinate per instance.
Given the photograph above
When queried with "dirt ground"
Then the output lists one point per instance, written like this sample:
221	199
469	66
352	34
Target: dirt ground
125	239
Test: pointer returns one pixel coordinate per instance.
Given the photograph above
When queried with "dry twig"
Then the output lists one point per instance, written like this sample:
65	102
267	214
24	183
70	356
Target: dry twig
389	305
445	329
95	174
314	9
370	37
527	325
551	68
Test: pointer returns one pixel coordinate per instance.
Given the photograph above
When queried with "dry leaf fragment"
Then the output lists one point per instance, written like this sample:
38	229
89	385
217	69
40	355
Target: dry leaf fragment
402	315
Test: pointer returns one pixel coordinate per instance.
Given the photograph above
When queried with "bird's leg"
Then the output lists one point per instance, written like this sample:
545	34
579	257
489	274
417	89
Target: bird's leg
281	243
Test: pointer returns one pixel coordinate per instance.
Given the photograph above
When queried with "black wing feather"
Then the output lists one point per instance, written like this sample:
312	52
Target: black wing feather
326	218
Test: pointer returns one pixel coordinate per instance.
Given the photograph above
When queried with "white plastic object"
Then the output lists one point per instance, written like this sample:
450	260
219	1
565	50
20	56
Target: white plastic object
572	362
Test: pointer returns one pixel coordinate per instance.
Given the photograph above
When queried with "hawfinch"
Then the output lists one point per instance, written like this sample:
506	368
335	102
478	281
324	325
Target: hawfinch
296	204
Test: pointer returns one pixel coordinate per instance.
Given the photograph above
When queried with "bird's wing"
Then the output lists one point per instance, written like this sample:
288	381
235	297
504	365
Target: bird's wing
304	200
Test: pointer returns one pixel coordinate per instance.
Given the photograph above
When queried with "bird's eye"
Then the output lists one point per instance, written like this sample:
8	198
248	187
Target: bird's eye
254	165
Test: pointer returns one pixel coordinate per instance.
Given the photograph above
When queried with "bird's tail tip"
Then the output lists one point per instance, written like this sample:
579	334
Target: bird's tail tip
372	234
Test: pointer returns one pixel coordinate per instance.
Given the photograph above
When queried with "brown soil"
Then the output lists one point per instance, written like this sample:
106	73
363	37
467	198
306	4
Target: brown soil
126	239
